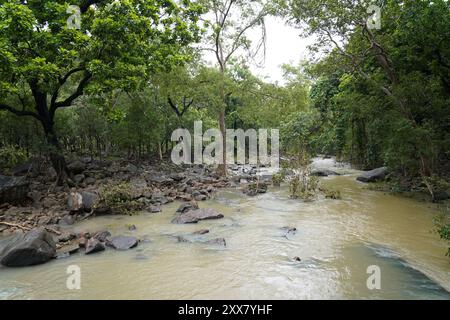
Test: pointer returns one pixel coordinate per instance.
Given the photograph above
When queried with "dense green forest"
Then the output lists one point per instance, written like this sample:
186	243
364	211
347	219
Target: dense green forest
135	71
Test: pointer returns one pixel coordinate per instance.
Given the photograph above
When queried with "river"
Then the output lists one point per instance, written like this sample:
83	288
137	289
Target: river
337	240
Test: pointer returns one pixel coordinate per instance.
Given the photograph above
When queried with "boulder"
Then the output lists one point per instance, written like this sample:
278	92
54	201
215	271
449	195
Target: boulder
373	175
82	242
31	248
66	251
90	181
67	220
102	235
78	201
122	242
76	166
323	173
78	178
31	166
139	188
194	216
159	197
66	236
177	177
89	200
131	168
441	195
93	245
184	207
160	179
13	189
154	209
200	197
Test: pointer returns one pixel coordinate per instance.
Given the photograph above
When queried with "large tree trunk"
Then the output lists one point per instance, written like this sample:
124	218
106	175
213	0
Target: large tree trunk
57	159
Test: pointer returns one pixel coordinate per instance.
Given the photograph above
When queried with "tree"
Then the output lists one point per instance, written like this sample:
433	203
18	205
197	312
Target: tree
47	66
231	22
388	71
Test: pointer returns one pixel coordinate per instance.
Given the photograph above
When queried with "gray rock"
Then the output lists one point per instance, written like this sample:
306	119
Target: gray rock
89	200
31	166
323	173
177	177
131	168
441	195
154	209
90	181
102	235
93	245
66	251
31	248
159	197
373	175
66	236
160	179
186	206
13	189
67	220
78	178
194	216
200	197
77	201
76	167
122	242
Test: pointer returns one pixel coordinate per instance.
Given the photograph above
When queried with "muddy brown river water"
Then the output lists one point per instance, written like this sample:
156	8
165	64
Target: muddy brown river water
336	240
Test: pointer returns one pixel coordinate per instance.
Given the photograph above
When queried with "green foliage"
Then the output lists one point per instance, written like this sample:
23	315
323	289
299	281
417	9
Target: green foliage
10	156
442	226
302	185
46	66
388	108
117	199
278	178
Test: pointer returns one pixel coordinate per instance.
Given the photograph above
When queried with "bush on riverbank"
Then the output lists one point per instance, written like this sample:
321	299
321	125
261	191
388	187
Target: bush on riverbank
442	226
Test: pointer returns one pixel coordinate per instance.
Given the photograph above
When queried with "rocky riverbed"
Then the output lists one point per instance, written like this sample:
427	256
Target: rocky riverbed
35	213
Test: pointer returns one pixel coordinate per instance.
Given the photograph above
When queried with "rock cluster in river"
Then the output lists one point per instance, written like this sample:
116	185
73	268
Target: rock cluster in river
31	199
